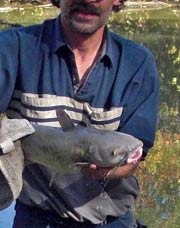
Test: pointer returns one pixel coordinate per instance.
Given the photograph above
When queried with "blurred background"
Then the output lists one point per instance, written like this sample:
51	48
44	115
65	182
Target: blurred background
156	25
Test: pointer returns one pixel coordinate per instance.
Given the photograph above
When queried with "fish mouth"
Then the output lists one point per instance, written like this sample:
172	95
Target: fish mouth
135	155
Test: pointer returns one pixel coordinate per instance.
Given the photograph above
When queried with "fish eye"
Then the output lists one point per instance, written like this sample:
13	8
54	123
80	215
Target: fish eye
113	153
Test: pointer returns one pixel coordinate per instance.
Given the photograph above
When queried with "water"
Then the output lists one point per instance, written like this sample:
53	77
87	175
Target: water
159	29
6	217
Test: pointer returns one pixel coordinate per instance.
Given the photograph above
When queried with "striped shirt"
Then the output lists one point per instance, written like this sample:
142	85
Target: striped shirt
120	92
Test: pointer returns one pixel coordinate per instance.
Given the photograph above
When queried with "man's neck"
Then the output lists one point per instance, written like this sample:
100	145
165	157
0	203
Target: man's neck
85	48
84	44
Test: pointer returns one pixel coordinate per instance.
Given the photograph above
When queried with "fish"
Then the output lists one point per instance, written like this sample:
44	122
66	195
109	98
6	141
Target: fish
64	148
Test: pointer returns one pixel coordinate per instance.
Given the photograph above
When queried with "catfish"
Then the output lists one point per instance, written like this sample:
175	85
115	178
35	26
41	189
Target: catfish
64	148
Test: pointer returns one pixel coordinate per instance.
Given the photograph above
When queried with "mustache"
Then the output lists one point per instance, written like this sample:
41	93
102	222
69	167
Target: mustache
85	7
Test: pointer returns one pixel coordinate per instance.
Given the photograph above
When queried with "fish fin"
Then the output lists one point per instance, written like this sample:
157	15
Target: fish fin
64	120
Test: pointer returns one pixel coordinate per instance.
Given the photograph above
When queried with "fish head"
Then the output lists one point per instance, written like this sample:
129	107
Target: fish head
110	148
105	148
96	155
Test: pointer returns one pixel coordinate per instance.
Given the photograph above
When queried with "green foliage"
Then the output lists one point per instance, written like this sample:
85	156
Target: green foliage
27	15
159	202
160	31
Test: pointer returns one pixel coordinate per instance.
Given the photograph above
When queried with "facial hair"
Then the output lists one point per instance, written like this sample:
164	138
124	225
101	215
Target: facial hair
67	13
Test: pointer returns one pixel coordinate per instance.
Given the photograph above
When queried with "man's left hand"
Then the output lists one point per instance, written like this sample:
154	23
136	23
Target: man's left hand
96	172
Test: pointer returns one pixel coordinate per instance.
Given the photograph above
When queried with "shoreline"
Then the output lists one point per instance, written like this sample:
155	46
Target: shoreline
128	5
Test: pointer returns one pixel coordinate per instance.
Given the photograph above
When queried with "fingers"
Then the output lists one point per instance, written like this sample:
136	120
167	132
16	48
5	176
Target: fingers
95	172
93	166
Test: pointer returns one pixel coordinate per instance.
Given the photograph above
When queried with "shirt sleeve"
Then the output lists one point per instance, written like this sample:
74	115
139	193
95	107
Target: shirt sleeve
8	66
141	110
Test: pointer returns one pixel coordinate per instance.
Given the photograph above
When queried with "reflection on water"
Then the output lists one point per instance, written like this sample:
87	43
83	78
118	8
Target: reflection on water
28	15
160	31
159	203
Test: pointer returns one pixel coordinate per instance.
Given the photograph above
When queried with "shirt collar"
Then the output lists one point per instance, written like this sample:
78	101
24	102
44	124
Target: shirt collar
111	48
107	52
58	42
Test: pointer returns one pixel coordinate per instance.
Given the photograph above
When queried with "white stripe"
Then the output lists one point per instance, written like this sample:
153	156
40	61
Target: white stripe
111	126
49	124
42	114
49	101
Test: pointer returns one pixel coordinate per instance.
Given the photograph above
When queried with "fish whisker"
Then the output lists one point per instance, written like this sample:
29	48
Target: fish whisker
143	170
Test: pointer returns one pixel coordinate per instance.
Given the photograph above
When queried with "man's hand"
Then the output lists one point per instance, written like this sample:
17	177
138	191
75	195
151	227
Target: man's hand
96	172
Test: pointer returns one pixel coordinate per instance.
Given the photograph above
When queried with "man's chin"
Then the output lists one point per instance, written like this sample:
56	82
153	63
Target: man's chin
85	30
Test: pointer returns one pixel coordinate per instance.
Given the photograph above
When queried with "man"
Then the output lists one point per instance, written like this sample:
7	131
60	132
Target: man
75	63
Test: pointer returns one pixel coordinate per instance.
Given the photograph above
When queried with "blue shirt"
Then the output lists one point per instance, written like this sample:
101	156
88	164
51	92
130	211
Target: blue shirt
120	93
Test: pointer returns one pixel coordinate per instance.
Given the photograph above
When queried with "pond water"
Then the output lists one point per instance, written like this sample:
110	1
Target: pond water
158	29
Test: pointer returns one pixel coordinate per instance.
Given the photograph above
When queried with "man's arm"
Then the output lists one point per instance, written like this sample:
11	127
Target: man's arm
96	172
140	115
139	119
9	59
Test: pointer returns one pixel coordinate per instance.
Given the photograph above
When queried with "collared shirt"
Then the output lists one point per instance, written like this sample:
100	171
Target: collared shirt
74	72
120	93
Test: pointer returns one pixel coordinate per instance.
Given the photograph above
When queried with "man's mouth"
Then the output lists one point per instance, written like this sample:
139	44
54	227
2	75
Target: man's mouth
86	10
85	14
